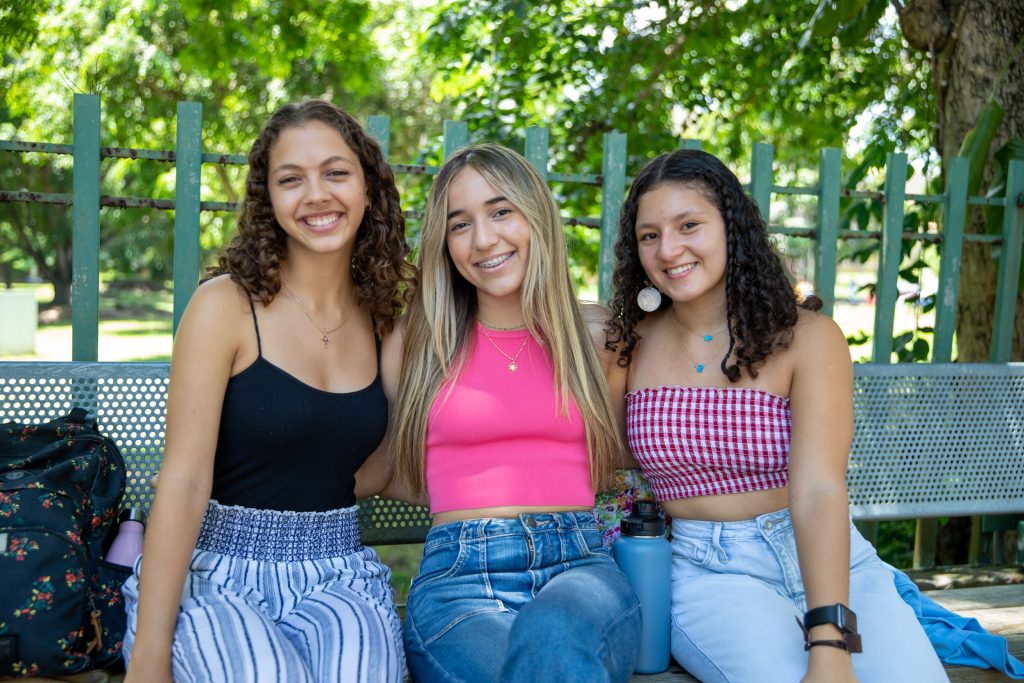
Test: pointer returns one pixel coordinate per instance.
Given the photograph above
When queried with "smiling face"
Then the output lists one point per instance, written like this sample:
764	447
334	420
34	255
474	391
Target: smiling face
488	239
681	243
317	188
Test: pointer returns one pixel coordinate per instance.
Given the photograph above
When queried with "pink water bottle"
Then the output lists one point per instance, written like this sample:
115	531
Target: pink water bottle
127	546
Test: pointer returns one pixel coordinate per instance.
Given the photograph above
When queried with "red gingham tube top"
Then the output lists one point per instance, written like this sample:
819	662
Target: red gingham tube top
702	441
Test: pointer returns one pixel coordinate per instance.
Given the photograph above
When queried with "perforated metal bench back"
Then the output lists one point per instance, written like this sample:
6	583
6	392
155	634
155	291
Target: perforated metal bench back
935	440
930	440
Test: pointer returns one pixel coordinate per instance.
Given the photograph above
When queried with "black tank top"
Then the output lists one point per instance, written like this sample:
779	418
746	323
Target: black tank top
284	445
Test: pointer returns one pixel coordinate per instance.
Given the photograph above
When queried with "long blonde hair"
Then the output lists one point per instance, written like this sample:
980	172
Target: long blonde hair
442	314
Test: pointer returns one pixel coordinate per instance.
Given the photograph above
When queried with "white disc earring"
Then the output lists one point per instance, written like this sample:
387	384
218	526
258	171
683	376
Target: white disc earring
649	299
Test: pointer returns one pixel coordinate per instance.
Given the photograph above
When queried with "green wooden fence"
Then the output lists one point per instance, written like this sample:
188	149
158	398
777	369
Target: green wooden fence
188	156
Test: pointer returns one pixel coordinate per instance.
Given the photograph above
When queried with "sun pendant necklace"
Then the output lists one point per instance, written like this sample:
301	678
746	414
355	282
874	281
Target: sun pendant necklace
323	332
513	365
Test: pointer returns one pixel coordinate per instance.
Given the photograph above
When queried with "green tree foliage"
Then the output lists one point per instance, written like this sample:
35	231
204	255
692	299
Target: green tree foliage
240	58
728	73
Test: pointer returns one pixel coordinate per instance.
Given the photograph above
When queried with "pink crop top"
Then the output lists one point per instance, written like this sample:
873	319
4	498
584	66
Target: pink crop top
703	441
499	438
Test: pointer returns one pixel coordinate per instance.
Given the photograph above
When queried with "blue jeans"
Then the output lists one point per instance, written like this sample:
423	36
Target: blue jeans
534	598
736	591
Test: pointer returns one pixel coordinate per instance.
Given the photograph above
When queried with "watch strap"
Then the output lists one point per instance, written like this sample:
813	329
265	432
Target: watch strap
850	642
839	615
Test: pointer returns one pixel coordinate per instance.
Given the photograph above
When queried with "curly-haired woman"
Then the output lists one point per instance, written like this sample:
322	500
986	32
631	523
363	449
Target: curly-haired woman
504	421
740	414
252	568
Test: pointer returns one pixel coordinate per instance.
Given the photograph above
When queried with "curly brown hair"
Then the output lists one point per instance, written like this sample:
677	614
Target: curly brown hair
383	276
761	306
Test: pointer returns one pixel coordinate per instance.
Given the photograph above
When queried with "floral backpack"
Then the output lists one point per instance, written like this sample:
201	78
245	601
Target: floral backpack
61	610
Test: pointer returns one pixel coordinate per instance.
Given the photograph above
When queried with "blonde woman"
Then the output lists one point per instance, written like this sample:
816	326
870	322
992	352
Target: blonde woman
504	422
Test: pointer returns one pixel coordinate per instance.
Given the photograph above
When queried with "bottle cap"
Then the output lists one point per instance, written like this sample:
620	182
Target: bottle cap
132	515
644	520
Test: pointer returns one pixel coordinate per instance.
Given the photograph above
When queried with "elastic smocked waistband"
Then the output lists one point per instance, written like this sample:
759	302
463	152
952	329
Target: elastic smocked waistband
525	524
746	528
277	536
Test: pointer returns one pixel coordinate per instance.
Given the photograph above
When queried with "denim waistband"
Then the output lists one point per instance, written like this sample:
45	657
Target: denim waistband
276	536
525	524
746	528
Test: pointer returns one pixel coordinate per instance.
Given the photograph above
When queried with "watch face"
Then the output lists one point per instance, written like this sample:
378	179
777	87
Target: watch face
847	619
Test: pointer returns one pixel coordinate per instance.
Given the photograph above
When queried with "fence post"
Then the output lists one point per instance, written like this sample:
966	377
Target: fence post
886	292
188	182
85	229
537	141
954	215
825	263
456	136
1009	264
761	177
613	187
379	128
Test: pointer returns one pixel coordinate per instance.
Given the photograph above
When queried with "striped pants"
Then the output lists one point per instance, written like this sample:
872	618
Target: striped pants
281	596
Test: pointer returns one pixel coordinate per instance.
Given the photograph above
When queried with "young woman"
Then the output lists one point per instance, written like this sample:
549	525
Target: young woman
252	568
503	420
740	414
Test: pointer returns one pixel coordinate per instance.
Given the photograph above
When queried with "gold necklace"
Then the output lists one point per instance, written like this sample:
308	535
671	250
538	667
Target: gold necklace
501	329
512	364
323	332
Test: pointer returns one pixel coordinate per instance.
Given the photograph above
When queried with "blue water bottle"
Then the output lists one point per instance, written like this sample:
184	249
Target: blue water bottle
645	557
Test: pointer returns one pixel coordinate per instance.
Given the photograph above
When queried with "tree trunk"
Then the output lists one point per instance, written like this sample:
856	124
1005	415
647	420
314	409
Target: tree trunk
971	42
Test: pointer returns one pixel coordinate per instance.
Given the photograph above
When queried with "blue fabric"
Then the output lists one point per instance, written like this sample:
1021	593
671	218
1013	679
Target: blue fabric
957	639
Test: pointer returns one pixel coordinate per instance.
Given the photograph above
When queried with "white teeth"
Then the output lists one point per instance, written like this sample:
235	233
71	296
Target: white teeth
496	261
681	269
317	221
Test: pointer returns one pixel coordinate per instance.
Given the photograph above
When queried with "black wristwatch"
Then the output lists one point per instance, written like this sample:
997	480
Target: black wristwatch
840	616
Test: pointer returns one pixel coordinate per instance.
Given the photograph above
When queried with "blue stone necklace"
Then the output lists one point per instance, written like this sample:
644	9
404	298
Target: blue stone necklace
708	338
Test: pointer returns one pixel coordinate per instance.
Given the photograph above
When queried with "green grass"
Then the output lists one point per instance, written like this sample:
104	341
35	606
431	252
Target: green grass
135	325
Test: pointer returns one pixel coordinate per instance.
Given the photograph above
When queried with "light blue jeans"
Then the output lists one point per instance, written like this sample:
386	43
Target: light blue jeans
532	599
736	591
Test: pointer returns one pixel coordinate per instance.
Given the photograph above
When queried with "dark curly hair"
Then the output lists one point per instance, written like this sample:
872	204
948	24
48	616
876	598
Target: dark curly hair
761	306
383	276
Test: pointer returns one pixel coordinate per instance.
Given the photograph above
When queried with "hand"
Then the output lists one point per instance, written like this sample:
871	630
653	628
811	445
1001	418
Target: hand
829	665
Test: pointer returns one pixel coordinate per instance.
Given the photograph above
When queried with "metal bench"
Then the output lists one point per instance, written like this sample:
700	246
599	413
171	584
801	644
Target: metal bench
931	440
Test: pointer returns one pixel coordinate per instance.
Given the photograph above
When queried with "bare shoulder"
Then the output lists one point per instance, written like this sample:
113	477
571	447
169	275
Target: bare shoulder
220	296
596	317
815	330
216	316
595	313
818	342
